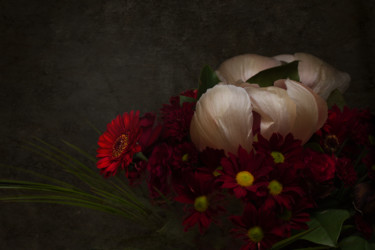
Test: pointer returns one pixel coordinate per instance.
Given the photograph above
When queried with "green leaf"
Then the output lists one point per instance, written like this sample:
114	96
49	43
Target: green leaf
355	242
337	98
329	223
267	77
207	79
314	146
283	243
184	99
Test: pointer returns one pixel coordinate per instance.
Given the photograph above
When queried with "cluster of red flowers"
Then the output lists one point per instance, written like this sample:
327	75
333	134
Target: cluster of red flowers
275	185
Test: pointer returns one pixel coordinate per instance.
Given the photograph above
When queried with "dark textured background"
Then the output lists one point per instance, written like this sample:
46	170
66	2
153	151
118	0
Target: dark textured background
64	63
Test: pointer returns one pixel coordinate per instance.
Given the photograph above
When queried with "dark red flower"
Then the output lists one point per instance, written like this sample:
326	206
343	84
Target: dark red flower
118	143
369	161
283	188
185	156
350	126
345	172
319	167
296	217
319	173
134	171
211	161
280	150
159	170
177	117
244	174
363	226
260	228
203	204
150	131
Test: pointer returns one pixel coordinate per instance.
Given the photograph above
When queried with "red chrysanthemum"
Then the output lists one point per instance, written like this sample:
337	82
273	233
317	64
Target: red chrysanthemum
150	132
177	117
118	143
260	228
349	125
280	150
319	173
198	190
211	161
244	174
185	156
296	217
345	172
159	170
319	167
283	188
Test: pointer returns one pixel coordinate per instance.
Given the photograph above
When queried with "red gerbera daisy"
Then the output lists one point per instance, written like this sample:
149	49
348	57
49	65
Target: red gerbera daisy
244	174
118	143
260	228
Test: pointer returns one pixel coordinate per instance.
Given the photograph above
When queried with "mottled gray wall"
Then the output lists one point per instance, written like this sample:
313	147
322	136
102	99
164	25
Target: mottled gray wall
63	63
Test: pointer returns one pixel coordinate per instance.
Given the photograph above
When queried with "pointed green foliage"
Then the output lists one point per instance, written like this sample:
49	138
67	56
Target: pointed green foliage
355	242
314	146
284	243
337	98
184	99
329	224
207	79
267	77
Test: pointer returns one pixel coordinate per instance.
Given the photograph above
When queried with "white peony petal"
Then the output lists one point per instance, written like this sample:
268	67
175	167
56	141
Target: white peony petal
276	109
240	68
223	119
318	75
307	111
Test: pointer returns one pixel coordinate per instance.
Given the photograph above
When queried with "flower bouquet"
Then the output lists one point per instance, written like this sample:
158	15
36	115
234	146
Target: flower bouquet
264	154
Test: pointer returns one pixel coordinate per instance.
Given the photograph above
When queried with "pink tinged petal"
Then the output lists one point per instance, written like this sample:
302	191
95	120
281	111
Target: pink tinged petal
307	111
321	77
240	68
276	109
223	119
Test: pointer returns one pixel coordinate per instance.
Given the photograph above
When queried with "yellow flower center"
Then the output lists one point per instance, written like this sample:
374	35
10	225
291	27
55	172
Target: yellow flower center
275	187
201	203
185	157
244	179
277	157
120	145
255	234
216	171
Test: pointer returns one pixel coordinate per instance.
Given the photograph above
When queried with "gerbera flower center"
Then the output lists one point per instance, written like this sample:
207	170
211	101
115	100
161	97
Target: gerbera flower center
244	179
275	187
201	203
277	157
120	145
331	143
255	234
